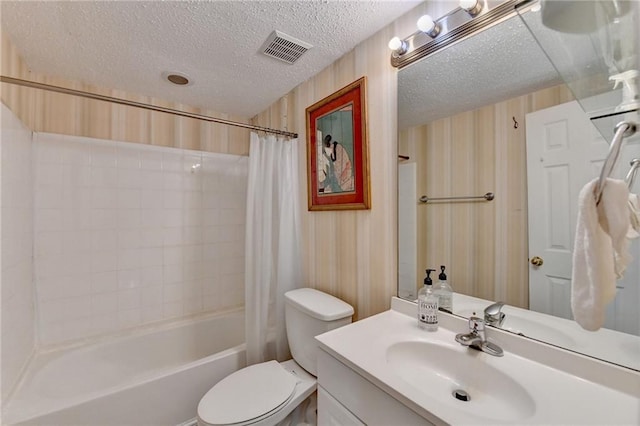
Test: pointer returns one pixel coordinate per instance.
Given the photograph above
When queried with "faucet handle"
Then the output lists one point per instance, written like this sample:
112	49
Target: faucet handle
494	308
476	338
476	324
493	314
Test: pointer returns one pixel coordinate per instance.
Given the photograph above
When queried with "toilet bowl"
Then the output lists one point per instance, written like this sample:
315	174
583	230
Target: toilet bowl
266	393
261	394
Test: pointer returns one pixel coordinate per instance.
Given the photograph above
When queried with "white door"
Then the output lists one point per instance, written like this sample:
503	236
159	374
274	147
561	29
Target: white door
564	152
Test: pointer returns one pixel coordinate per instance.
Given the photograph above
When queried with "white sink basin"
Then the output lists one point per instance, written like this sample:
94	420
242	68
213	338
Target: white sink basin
439	371
422	370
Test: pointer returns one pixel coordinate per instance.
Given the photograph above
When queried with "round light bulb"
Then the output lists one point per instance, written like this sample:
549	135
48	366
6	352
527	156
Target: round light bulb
395	43
468	4
472	7
426	24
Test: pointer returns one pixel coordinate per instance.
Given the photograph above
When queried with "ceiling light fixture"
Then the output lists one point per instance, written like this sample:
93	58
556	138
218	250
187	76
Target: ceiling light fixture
177	78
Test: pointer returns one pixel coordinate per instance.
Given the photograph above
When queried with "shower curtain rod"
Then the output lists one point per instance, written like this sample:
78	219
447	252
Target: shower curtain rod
35	85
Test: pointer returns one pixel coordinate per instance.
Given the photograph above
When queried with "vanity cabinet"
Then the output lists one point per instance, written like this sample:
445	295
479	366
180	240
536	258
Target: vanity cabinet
332	413
385	370
346	398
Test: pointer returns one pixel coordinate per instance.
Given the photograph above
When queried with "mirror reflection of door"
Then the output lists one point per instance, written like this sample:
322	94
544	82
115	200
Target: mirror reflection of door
564	152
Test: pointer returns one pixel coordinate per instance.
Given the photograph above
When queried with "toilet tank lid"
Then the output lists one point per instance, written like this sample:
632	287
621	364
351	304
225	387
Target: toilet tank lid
319	305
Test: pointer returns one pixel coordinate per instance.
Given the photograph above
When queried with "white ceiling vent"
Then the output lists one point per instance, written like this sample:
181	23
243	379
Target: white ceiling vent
284	47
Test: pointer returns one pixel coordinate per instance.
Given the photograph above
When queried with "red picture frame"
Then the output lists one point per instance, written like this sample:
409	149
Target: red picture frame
337	150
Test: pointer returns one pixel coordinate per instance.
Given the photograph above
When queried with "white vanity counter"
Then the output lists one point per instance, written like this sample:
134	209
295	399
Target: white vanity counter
421	370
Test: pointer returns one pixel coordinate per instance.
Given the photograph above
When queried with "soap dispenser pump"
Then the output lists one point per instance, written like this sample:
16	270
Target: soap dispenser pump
630	96
428	305
444	292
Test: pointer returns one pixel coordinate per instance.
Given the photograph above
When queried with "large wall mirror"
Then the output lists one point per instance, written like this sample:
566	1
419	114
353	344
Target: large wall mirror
492	114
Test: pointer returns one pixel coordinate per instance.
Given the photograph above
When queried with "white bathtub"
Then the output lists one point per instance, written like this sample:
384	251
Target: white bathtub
153	376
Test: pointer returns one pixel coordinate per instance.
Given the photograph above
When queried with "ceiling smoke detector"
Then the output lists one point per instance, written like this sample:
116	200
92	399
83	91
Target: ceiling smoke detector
284	47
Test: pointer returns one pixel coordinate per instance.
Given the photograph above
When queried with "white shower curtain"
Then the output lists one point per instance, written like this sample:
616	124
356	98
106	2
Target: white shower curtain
272	252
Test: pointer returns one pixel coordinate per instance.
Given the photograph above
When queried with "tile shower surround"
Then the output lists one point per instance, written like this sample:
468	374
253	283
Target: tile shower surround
129	234
18	315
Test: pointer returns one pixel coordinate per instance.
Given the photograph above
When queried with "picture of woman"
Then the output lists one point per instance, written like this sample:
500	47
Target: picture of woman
336	173
337	151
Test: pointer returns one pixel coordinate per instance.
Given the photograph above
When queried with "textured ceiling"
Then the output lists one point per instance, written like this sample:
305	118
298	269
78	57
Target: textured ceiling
128	45
499	63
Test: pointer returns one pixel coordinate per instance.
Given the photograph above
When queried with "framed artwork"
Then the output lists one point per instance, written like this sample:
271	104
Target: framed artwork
337	150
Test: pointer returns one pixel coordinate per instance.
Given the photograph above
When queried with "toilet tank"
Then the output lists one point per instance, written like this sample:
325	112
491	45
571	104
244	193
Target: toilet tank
309	313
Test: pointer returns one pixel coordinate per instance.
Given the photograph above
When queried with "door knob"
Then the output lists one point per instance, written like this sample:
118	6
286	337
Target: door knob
537	261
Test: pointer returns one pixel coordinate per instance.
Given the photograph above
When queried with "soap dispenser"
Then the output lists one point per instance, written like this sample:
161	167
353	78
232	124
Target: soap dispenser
427	305
444	292
630	96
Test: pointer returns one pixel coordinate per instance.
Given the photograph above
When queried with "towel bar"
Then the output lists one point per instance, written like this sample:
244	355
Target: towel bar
486	197
622	130
631	176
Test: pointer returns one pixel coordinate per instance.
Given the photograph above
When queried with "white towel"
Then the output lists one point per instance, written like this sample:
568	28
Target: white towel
600	253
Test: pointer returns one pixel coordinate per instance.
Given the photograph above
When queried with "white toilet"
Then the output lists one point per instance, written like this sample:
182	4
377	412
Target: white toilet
265	394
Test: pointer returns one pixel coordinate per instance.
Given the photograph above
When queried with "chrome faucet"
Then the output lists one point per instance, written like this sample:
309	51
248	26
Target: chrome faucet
477	339
493	314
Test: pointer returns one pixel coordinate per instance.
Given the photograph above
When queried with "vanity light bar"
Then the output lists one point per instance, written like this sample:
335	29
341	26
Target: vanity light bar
455	26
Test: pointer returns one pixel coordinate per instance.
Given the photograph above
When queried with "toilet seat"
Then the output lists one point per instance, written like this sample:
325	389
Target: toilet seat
248	395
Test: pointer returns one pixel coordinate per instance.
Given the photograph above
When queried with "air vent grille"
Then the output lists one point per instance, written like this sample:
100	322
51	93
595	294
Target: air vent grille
284	47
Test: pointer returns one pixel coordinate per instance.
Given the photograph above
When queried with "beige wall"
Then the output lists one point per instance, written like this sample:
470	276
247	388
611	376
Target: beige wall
51	112
483	244
353	254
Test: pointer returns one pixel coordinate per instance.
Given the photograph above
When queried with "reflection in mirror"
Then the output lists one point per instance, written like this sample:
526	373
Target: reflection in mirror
491	114
594	48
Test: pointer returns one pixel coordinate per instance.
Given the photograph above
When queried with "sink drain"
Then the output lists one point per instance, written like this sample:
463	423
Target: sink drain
461	395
